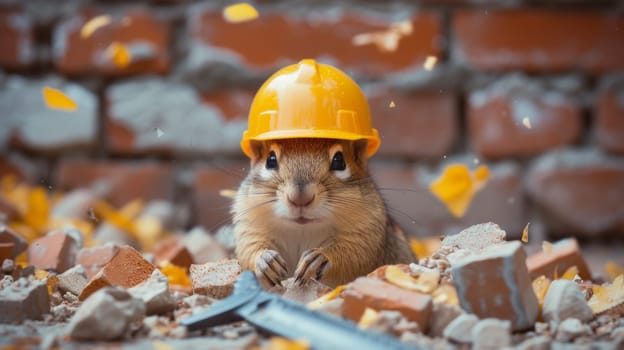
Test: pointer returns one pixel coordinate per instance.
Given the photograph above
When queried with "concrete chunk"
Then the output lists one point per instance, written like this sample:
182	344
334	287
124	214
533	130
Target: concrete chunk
23	300
155	294
564	299
215	279
73	280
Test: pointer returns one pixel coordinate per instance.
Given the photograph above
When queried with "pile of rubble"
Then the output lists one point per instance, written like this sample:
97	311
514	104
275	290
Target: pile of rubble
476	290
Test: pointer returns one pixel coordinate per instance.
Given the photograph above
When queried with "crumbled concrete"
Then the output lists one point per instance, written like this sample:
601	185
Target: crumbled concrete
563	300
155	294
73	280
540	342
476	238
443	315
305	293
216	279
203	246
570	329
109	314
491	334
23	299
459	330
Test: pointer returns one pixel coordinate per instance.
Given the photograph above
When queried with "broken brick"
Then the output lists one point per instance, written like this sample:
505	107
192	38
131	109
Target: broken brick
442	315
22	300
215	279
6	251
173	251
564	254
495	283
73	280
380	295
564	299
56	251
107	315
93	259
19	244
126	269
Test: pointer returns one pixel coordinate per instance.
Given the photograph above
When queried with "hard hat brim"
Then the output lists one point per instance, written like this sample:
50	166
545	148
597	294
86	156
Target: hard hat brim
373	139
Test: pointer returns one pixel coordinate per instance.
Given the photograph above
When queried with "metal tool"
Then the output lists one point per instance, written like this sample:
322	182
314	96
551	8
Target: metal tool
273	314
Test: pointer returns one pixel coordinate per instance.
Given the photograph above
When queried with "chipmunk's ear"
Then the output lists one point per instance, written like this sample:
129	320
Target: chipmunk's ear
359	150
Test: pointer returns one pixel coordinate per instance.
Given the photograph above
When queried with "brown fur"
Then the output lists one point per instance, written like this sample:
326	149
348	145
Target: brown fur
353	230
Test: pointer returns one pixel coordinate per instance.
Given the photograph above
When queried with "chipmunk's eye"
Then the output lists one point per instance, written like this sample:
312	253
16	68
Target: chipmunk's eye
271	162
338	162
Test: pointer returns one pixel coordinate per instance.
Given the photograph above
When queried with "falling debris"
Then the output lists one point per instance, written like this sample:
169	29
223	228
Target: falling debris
159	133
92	215
119	54
547	247
93	25
56	99
430	62
238	13
526	122
392	104
385	40
525	233
476	160
456	186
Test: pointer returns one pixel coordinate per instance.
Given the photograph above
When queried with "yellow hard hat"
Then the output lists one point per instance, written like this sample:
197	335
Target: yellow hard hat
310	100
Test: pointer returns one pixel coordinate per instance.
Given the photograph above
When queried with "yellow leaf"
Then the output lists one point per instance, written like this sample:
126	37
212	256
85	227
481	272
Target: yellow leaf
94	24
368	317
315	304
279	343
119	54
424	247
613	270
570	273
176	275
607	296
425	283
525	233
41	274
56	99
445	294
38	210
540	287
456	186
430	62
238	13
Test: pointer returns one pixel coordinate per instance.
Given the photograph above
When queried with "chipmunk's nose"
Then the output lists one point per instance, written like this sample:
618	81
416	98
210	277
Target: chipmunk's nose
301	195
301	199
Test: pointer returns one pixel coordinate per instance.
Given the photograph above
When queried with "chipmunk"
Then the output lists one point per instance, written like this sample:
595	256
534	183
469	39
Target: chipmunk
308	207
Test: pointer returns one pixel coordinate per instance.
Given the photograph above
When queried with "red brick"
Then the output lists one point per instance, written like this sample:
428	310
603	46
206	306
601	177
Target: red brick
495	283
234	104
126	180
173	251
421	124
56	251
609	120
126	269
420	213
17	50
211	209
496	121
75	55
156	116
379	295
93	259
539	40
331	34
579	192
565	254
17	242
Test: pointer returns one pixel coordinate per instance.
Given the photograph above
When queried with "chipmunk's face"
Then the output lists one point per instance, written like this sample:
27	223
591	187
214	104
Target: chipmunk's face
308	181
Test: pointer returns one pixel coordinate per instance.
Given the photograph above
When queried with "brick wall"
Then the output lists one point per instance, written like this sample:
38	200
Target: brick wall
533	89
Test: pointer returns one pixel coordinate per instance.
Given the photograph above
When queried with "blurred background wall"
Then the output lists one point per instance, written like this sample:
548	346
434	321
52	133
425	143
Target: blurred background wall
532	89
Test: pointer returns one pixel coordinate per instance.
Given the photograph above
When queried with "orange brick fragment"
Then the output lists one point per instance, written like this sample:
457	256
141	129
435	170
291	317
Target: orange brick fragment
173	251
126	269
93	259
565	254
380	295
53	252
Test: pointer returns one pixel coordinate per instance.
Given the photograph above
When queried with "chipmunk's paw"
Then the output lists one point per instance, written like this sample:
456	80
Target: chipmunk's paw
271	267
312	265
